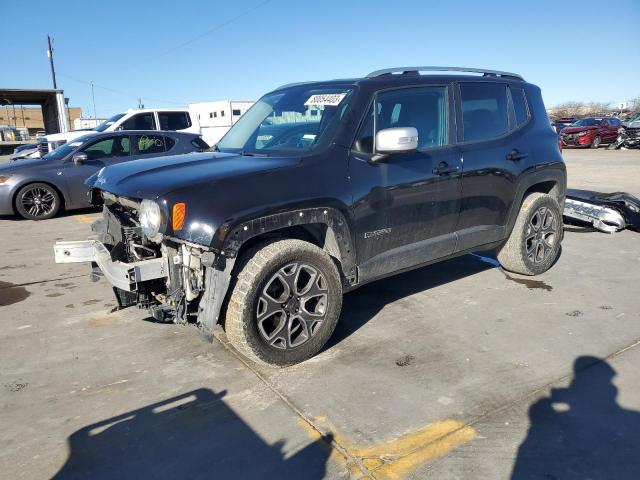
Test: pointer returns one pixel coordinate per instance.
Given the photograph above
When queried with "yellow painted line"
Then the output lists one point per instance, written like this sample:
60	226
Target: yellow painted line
394	459
84	219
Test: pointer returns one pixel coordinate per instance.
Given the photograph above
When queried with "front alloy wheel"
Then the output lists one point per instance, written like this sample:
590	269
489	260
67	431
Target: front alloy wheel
292	306
37	201
285	302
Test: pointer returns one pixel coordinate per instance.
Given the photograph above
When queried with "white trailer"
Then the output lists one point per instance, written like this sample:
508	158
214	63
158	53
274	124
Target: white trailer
216	118
87	123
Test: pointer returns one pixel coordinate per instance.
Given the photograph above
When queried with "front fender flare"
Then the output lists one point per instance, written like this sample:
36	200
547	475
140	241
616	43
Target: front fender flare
338	241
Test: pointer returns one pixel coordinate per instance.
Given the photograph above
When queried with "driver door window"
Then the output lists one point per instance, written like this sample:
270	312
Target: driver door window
424	108
107	148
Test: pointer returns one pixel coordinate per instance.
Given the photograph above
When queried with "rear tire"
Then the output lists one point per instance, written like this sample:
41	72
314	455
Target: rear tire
596	142
285	302
534	243
37	201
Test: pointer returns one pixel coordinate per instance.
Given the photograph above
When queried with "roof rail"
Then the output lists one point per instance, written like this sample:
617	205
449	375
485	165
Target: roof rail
417	70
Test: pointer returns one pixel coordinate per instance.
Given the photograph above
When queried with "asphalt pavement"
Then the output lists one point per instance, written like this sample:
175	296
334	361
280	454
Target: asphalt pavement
456	370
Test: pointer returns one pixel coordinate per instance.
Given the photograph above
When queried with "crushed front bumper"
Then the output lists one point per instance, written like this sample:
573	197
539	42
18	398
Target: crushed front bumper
125	276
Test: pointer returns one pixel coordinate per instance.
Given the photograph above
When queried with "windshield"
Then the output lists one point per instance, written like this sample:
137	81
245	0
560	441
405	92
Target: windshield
587	122
294	120
64	150
107	123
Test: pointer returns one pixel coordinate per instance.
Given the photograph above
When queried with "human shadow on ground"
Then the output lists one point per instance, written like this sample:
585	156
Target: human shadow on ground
190	436
581	432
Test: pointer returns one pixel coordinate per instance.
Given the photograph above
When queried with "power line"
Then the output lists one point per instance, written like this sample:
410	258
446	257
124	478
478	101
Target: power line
166	52
200	36
119	92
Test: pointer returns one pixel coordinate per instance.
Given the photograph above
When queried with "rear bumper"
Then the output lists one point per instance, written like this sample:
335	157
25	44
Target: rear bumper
125	276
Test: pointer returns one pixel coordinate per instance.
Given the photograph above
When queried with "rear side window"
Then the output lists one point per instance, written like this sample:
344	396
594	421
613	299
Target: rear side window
141	121
147	144
484	111
520	107
174	120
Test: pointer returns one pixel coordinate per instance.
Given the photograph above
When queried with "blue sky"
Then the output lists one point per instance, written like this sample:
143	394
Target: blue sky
170	53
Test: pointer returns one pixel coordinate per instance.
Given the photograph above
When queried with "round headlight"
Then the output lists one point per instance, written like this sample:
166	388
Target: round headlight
150	219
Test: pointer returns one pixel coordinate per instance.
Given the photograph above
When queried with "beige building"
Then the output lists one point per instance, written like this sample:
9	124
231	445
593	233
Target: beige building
31	117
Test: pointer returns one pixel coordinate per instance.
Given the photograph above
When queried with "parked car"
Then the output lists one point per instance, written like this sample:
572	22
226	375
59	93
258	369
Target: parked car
632	121
38	189
23	151
325	186
562	122
591	132
166	119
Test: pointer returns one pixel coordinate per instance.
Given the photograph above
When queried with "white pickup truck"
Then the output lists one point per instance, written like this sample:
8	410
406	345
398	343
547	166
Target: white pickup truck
209	119
178	120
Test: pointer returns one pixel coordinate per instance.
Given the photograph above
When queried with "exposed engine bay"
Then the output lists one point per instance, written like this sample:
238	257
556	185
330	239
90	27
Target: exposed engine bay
174	298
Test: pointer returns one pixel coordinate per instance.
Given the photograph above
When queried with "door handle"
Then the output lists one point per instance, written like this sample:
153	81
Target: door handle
444	169
515	155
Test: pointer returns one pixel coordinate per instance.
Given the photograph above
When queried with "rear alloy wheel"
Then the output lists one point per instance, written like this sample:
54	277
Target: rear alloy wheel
596	142
285	303
37	201
534	242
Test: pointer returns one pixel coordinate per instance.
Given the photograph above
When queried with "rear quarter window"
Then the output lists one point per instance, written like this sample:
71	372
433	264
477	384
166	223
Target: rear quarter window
174	120
484	110
520	106
199	144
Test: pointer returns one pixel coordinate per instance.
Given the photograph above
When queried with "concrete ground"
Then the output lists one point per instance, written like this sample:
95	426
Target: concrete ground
457	370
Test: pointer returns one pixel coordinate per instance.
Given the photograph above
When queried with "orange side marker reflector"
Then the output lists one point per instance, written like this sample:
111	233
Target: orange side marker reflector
179	214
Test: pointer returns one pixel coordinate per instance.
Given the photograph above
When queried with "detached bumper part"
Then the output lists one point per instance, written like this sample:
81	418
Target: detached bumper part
607	212
124	276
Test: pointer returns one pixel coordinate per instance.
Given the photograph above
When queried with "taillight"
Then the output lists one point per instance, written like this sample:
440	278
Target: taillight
179	214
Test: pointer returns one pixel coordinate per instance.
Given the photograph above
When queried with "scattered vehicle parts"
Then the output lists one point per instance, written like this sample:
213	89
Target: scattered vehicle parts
607	212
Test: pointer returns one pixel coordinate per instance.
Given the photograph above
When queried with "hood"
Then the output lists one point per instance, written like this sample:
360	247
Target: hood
578	129
68	136
154	177
17	166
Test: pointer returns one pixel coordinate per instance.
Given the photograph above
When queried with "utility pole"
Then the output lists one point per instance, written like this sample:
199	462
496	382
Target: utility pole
50	55
93	97
140	104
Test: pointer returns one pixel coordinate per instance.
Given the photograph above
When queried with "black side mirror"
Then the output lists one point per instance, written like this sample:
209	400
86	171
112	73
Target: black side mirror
79	158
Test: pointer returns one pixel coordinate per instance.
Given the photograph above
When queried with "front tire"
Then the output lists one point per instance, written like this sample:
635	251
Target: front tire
284	304
534	243
37	201
596	142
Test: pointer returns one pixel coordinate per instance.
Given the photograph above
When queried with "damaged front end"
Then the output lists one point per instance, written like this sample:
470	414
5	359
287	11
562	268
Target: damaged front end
177	281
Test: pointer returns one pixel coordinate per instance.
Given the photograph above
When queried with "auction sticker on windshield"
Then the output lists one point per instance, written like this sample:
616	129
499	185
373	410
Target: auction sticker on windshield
325	99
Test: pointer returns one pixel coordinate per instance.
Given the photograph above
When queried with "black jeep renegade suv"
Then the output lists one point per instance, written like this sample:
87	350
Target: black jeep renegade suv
322	187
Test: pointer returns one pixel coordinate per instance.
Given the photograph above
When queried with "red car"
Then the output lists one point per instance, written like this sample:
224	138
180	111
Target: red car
591	132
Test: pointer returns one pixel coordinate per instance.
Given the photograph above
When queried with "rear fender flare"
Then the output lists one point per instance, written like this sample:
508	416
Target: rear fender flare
549	174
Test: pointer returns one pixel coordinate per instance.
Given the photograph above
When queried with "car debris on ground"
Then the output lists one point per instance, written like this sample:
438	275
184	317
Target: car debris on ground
607	212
